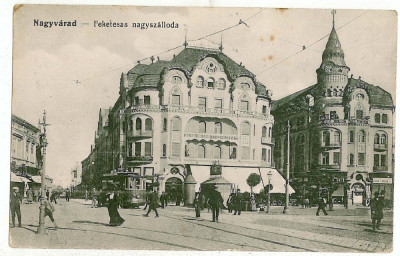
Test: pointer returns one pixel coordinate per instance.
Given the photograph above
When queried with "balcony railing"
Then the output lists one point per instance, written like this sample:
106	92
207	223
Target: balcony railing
266	140
344	121
137	133
139	158
380	169
332	145
202	111
380	147
329	166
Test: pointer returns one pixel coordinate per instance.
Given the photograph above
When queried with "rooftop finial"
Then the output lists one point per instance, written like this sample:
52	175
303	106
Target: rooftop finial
220	45
185	43
333	17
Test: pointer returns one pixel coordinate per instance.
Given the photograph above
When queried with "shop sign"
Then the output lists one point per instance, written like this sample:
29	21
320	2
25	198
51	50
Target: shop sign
382	180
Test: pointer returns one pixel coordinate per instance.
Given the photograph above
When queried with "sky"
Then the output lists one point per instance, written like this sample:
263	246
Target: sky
48	61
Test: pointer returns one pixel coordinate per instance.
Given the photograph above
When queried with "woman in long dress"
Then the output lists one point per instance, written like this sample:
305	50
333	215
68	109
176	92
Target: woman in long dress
196	204
113	203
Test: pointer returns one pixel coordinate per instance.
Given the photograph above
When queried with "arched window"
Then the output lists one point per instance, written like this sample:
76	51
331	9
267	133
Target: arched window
164	150
264	131
210	83
201	152
217	152
218	128
138	124
269	132
336	136
359	96
334	94
202	127
176	124
383	139
376	139
176	80
148	125
200	82
221	84
245	86
361	136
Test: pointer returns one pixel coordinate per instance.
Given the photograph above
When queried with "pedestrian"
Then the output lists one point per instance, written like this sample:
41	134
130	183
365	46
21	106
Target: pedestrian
321	206
196	204
153	204
376	210
162	200
307	203
48	211
15	202
67	194
48	194
113	203
253	205
53	197
202	201
146	204
216	202
237	202
36	195
86	195
94	198
29	195
229	203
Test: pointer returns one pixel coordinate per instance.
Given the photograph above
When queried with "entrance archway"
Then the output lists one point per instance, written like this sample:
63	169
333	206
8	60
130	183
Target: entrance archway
173	190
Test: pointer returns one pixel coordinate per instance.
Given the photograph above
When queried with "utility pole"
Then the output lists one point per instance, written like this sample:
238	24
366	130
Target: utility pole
286	209
41	230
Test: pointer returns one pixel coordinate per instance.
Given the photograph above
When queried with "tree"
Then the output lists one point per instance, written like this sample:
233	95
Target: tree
253	180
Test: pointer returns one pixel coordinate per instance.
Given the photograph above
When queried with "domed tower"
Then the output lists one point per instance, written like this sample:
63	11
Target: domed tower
332	74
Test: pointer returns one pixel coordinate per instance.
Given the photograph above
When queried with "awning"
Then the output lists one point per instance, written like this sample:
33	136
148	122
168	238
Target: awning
25	180
239	175
200	174
36	179
339	191
15	178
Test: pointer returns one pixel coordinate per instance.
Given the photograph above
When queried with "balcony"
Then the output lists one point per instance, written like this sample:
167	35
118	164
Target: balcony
137	133
139	159
336	122
332	145
200	111
380	169
329	166
268	141
380	147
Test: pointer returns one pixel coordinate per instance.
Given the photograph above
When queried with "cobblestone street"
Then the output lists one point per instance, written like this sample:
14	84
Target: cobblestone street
81	226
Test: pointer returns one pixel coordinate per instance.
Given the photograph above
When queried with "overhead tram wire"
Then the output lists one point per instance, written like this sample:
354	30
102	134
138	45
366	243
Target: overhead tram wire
174	48
308	47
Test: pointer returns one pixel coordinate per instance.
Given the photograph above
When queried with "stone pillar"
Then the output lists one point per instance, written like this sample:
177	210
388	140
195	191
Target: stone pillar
189	188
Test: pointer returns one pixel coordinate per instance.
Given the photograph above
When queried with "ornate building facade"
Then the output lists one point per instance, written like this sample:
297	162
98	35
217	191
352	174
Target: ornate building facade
341	132
182	116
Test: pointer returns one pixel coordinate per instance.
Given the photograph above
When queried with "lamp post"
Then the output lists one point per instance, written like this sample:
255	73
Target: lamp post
269	190
286	209
41	230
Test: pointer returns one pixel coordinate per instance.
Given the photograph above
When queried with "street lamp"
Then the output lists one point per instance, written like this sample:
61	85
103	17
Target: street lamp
269	190
286	209
41	229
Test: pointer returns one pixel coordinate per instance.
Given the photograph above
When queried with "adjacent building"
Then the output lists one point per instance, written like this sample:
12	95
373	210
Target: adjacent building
341	133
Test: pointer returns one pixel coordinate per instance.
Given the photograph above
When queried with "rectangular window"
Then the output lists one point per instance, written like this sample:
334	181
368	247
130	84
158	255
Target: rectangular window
269	155
165	124
361	158
218	103
138	148
359	114
202	102
136	170
376	160
336	157
383	160
147	148
333	115
146	100
176	149
384	118
244	105
351	136
129	149
264	154
377	118
137	102
176	100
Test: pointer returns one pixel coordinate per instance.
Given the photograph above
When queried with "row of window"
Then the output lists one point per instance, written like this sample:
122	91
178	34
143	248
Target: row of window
138	149
210	83
379	159
148	124
381	118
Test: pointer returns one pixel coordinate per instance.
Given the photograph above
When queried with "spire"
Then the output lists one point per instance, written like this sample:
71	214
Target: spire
220	45
333	18
185	43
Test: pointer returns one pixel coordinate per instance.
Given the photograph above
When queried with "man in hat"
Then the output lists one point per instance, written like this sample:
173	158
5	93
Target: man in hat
237	202
15	202
376	210
67	194
216	202
321	206
153	204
